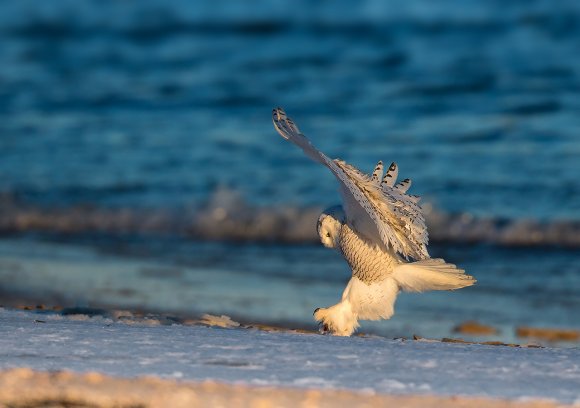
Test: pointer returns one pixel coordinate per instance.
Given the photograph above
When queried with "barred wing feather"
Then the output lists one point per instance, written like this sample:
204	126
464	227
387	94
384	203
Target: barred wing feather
376	208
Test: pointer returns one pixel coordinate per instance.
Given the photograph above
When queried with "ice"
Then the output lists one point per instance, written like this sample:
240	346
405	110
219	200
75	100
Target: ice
254	357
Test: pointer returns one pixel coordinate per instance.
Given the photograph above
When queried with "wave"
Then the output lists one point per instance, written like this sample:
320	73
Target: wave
226	216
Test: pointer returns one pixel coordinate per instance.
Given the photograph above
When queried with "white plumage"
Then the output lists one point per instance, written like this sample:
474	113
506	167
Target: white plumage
378	228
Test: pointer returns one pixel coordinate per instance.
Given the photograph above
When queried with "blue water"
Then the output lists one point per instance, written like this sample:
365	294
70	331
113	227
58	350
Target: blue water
155	105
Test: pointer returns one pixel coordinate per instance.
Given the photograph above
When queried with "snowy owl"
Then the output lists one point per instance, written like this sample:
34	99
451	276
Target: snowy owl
380	231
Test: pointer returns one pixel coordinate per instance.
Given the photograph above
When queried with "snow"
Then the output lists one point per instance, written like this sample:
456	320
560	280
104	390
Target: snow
254	357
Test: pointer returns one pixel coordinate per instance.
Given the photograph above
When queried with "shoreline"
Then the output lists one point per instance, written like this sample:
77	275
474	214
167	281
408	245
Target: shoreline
468	332
23	387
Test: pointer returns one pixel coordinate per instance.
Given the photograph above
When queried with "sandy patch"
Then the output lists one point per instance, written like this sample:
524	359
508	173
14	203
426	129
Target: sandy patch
25	388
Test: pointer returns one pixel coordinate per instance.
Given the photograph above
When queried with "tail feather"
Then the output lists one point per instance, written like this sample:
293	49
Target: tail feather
431	274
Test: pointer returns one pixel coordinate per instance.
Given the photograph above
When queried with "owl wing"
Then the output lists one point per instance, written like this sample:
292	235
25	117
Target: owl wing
375	206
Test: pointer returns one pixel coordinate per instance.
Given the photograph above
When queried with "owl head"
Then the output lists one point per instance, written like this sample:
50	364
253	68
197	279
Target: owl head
329	224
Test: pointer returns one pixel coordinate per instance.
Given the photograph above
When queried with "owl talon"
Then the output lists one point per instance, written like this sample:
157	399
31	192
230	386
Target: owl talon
323	328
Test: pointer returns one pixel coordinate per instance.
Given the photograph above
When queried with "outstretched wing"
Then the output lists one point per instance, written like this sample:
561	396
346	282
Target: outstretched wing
374	206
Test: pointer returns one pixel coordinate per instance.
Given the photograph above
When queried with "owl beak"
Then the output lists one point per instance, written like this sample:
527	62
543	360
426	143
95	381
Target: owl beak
315	310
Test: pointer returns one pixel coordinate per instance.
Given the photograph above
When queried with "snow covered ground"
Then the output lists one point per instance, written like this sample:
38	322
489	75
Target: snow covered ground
254	357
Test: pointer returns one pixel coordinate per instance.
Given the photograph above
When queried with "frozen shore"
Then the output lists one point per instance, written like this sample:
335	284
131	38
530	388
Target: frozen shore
249	358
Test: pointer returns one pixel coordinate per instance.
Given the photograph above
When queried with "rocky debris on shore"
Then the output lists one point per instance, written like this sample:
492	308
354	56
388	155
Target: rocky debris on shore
484	343
474	328
137	317
552	335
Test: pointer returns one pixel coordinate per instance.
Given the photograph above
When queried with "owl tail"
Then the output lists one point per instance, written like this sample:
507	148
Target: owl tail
431	274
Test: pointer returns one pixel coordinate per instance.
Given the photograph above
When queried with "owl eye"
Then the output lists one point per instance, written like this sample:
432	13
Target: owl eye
328	234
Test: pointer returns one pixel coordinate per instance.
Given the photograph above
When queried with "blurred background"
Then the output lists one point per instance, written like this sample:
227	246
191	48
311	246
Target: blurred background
139	167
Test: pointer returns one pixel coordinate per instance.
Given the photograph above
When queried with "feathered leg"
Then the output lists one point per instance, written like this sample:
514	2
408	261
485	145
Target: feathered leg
359	301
